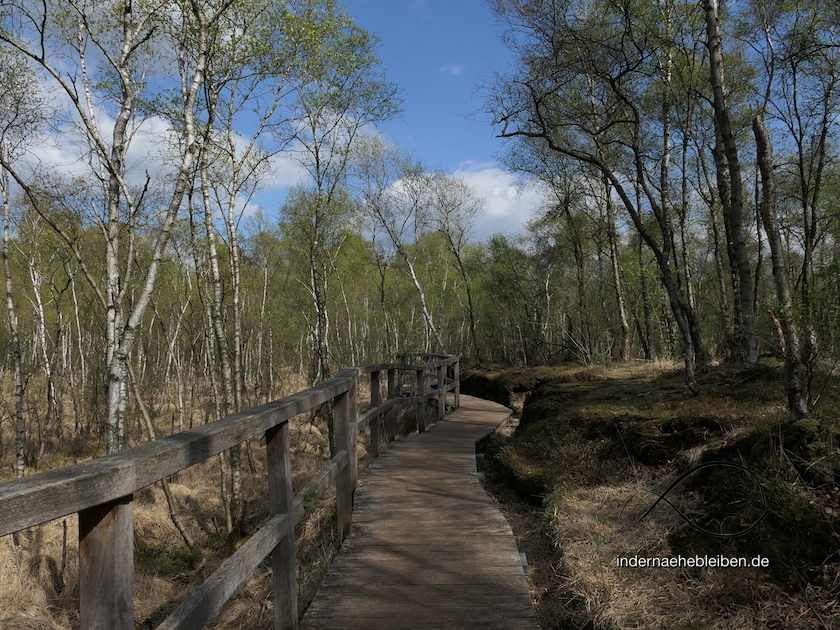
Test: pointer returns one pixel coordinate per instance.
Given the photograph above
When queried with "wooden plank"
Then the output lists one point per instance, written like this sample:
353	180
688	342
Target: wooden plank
428	547
344	410
209	598
371	414
441	392
493	577
50	495
391	422
473	621
106	566
375	605
457	379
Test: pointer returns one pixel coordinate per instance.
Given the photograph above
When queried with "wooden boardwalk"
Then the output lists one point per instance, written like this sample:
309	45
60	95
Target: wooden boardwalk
428	548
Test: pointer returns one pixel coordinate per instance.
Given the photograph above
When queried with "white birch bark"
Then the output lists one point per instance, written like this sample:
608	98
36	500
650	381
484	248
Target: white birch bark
11	312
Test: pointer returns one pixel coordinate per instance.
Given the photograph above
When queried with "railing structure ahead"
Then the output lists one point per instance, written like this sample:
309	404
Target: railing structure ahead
100	491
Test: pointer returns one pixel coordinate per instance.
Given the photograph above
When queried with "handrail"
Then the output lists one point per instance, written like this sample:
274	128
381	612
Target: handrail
100	491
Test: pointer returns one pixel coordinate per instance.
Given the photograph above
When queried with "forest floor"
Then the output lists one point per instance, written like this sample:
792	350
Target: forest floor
597	446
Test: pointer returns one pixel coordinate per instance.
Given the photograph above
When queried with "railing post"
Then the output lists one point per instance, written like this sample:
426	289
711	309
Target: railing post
421	403
280	497
457	377
106	566
376	425
441	377
345	440
402	360
391	424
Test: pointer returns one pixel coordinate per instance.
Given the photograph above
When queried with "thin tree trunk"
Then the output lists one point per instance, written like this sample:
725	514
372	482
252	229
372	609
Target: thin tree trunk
212	365
432	328
615	263
236	280
644	327
223	357
796	400
258	372
462	269
53	409
164	483
733	202
689	289
20	418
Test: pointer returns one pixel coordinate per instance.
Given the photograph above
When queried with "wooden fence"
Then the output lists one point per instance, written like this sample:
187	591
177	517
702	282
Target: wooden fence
100	491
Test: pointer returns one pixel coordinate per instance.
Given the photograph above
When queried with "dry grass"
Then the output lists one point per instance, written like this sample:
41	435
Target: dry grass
619	597
570	447
34	592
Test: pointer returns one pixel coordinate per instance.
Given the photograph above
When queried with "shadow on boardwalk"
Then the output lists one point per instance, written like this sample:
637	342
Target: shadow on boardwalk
428	547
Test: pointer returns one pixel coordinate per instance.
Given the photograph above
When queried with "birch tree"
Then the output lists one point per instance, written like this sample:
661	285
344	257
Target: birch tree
731	187
21	116
397	197
589	75
339	94
99	57
453	212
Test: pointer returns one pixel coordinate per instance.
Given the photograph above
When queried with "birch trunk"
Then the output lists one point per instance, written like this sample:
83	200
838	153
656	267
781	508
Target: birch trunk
53	407
645	332
769	217
615	264
732	197
17	358
218	327
427	316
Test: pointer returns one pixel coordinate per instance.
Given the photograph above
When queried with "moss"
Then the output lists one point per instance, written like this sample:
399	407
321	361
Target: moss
661	440
167	560
580	430
795	536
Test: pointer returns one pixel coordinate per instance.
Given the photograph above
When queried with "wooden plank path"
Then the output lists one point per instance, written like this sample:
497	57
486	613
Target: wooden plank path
428	548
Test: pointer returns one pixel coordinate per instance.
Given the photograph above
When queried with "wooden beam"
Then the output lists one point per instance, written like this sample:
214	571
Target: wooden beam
441	391
376	425
56	493
106	566
421	403
209	598
391	423
457	377
280	497
344	409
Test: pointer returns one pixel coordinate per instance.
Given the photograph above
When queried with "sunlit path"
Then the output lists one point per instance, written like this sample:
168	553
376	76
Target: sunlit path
428	548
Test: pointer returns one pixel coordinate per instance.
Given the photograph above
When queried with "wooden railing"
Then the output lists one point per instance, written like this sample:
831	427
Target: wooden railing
100	491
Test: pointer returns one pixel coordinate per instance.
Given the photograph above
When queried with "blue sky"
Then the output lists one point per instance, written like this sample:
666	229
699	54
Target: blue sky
439	52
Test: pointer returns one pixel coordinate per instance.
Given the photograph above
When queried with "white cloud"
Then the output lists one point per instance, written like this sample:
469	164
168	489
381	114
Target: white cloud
286	171
453	69
509	202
